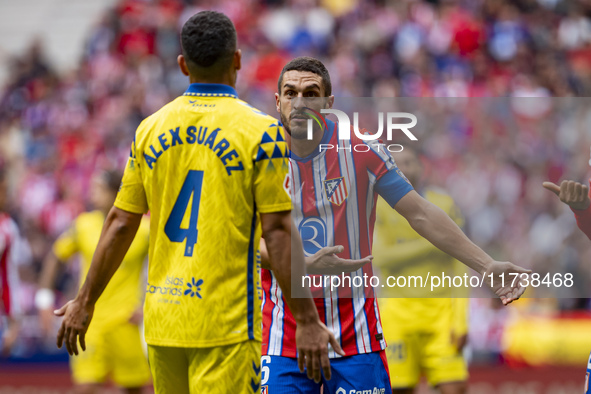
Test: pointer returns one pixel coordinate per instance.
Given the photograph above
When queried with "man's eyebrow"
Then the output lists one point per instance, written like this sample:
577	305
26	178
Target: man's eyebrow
307	87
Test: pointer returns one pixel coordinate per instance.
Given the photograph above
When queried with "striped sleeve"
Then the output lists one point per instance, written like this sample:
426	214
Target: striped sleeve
391	183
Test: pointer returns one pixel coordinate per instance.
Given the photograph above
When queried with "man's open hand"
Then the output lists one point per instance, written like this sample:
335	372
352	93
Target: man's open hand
509	289
312	341
74	326
326	262
574	194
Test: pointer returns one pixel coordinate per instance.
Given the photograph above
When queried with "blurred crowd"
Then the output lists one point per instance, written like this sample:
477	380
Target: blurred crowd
57	129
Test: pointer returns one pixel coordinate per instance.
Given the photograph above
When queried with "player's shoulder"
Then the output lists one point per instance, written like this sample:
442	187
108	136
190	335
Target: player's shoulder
257	119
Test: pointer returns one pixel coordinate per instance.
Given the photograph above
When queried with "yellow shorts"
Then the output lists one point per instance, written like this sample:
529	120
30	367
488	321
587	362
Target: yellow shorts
412	354
115	352
224	369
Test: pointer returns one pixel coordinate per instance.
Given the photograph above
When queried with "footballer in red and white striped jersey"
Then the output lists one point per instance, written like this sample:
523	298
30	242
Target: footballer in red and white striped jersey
334	193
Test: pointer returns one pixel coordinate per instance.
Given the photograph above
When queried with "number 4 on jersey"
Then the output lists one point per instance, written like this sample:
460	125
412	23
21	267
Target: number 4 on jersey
191	187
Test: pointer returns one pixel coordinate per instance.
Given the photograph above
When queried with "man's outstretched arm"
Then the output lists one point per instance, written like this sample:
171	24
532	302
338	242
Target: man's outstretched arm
438	228
286	259
323	262
577	196
118	233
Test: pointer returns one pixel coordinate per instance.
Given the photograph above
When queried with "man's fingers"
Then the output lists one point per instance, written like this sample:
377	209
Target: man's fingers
83	340
522	270
309	365
335	344
301	361
354	265
60	336
73	339
517	292
333	249
325	363
61	311
365	260
570	190
554	188
67	340
316	366
505	300
579	192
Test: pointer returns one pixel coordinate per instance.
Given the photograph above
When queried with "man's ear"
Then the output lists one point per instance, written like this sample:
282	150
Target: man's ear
183	65
330	102
277	104
238	59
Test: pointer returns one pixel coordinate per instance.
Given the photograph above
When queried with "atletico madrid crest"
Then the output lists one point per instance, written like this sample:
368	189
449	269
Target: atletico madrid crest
336	190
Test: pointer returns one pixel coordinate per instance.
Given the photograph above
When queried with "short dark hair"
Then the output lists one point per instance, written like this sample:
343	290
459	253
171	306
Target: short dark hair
306	63
208	42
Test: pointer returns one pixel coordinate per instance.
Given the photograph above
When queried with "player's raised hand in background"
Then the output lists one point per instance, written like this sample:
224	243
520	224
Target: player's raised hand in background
572	193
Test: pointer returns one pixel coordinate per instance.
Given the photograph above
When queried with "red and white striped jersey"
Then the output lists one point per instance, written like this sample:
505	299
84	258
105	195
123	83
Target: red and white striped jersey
334	195
9	279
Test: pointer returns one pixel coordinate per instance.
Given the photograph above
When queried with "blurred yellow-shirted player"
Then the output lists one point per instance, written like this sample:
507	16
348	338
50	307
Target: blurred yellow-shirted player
114	345
424	335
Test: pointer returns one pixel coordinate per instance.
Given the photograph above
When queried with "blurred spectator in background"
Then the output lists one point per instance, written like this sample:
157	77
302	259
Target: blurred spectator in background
12	254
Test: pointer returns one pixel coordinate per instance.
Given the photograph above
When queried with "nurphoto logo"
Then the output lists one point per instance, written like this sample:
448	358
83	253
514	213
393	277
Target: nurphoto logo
395	121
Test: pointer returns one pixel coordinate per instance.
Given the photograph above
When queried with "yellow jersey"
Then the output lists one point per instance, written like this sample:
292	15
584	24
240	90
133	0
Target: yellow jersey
205	165
123	294
399	250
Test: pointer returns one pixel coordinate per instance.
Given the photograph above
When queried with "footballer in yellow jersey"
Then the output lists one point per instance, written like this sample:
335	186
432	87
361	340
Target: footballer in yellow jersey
116	313
425	335
211	170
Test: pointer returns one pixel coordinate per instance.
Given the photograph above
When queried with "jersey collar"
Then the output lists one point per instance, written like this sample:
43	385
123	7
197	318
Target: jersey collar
210	90
325	139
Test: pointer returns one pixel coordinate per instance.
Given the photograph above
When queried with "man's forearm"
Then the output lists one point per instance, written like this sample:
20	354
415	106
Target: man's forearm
439	229
118	233
286	259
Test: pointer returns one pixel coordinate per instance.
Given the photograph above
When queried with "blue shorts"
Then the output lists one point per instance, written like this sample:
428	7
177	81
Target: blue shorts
362	373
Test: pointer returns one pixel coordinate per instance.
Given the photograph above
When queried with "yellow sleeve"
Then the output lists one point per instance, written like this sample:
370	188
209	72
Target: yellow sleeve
67	244
132	195
271	169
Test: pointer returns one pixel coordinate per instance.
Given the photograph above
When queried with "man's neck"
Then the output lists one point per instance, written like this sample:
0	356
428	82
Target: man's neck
305	147
223	80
